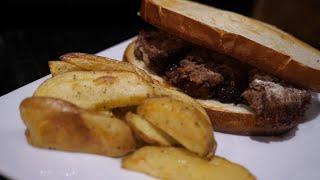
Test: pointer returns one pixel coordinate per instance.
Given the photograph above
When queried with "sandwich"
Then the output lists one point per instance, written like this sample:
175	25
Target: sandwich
252	78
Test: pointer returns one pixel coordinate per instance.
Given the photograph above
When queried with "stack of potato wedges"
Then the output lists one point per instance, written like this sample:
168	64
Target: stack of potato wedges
97	105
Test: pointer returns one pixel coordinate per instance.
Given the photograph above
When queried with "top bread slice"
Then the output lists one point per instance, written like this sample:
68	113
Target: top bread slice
250	41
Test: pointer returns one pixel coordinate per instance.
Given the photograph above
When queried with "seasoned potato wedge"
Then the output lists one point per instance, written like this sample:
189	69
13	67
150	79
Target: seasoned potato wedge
77	56
228	165
186	124
180	164
175	94
54	123
97	90
98	63
147	132
59	67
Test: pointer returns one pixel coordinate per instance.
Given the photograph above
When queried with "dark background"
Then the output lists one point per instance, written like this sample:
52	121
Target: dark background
38	31
35	32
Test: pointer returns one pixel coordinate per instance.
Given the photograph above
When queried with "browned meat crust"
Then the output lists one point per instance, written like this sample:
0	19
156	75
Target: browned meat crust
157	49
275	101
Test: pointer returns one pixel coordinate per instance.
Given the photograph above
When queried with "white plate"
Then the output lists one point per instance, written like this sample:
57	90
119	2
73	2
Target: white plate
293	156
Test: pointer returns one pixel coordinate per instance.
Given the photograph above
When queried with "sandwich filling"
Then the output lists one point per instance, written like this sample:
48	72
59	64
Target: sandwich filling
205	74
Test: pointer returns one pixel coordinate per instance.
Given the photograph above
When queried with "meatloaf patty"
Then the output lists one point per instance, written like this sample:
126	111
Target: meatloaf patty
204	74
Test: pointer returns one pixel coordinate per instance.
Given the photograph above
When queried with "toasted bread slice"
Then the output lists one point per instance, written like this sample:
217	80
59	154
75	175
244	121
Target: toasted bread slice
227	118
248	40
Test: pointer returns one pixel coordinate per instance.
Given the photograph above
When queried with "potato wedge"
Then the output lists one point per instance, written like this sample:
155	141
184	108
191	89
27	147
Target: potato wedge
147	132
182	122
59	67
228	166
98	63
175	94
178	163
77	56
97	90
54	123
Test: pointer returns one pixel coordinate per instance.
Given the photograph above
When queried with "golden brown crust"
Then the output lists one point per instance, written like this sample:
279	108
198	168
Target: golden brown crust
289	58
58	124
225	118
243	124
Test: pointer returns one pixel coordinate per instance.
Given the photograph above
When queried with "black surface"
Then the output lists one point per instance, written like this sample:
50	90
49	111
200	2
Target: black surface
27	50
35	32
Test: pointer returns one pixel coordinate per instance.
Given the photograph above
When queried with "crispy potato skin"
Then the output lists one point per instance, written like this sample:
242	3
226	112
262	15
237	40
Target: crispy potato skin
57	124
97	90
147	132
180	164
183	122
60	67
97	63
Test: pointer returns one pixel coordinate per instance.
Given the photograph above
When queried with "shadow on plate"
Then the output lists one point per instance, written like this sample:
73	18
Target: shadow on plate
312	113
314	110
283	137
